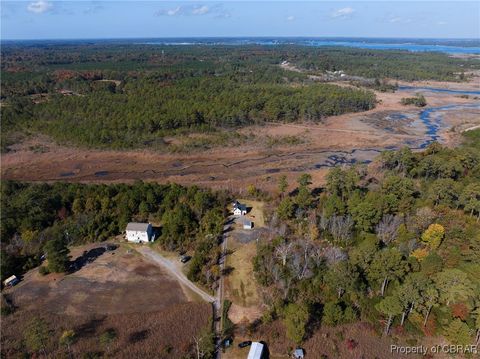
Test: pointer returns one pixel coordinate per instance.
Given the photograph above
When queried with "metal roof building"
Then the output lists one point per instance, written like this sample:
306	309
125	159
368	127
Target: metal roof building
256	351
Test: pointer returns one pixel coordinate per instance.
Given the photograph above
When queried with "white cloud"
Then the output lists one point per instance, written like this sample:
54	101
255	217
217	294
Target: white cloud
39	7
442	23
174	11
200	10
343	13
291	18
399	20
216	11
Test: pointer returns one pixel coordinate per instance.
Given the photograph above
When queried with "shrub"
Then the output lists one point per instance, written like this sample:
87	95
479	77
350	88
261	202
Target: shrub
419	101
351	344
43	270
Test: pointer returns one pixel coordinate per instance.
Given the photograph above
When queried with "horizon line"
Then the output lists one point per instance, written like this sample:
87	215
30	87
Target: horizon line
246	37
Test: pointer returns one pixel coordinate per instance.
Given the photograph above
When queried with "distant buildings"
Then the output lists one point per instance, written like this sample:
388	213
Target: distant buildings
256	351
139	232
10	281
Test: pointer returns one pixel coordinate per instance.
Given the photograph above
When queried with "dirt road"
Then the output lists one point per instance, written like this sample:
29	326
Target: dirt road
158	259
220	291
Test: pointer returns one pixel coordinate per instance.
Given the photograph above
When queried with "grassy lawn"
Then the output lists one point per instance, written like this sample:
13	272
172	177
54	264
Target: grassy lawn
240	285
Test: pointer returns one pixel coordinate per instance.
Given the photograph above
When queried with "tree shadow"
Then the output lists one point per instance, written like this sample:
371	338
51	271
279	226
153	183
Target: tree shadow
89	328
228	229
317	191
227	270
85	258
266	352
138	336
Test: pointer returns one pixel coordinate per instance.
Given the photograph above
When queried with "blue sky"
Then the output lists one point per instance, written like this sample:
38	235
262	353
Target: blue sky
43	19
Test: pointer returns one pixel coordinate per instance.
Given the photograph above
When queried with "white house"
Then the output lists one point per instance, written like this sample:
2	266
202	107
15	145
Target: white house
10	281
239	209
139	232
256	351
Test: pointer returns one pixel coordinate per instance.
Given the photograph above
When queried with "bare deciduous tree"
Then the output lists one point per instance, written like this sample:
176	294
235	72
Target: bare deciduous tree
302	259
334	255
283	251
341	228
387	228
323	221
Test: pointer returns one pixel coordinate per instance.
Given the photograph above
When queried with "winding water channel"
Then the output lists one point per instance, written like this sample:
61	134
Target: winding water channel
432	119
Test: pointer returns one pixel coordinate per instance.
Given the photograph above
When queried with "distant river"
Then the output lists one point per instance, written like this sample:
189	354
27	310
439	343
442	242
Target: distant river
374	44
439	90
399	46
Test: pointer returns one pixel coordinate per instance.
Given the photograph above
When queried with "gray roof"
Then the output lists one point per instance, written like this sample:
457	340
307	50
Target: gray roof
256	351
247	222
298	353
135	226
240	206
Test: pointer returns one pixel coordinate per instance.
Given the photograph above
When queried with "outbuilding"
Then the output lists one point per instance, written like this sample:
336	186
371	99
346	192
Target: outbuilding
256	351
299	353
139	232
10	281
247	224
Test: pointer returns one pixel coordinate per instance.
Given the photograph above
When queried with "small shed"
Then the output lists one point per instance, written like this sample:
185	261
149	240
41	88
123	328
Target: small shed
256	351
10	281
299	353
139	232
247	224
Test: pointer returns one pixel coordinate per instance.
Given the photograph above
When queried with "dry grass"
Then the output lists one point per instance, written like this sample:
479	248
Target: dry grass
240	285
161	334
146	307
331	342
115	282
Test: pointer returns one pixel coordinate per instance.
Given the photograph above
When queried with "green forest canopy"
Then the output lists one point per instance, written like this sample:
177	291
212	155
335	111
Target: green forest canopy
125	96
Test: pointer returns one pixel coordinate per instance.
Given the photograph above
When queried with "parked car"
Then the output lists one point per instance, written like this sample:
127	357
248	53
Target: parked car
185	259
245	344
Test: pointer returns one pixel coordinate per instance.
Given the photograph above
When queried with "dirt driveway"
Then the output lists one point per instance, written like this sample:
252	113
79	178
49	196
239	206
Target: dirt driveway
174	270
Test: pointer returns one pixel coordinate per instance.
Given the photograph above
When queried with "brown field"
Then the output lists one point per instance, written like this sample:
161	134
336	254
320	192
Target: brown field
151	313
355	136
